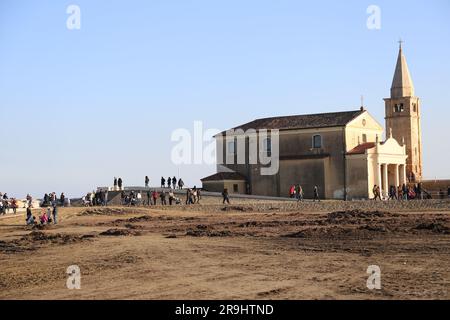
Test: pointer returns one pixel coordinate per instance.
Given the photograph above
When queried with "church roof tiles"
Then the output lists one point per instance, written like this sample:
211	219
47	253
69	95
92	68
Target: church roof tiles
319	120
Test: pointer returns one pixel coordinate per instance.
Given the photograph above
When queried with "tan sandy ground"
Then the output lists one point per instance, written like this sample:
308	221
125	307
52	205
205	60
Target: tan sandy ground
155	254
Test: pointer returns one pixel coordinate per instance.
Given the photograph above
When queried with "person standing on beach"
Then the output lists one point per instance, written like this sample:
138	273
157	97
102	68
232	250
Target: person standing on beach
149	196
29	200
62	199
180	184
106	198
169	182
154	196
163	182
147	180
119	183
55	214
162	195
171	196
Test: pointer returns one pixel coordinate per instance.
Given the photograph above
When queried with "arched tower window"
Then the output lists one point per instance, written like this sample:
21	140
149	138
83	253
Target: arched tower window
317	141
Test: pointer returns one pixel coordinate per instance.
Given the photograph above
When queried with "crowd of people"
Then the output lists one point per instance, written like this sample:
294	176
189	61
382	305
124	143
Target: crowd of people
47	217
7	204
95	198
162	197
167	196
51	199
402	192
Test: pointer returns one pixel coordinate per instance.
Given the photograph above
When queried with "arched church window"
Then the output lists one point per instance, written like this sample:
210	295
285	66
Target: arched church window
317	141
267	146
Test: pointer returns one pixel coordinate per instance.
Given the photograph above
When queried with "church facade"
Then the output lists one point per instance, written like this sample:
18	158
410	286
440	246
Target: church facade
342	153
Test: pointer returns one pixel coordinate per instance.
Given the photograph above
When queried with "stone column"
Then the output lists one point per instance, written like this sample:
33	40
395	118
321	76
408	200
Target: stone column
379	175
397	180
386	176
404	173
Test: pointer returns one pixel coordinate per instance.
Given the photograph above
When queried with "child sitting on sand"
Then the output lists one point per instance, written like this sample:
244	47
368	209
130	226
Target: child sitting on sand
43	218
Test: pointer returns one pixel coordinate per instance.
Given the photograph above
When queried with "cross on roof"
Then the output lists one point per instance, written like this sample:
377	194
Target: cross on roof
400	42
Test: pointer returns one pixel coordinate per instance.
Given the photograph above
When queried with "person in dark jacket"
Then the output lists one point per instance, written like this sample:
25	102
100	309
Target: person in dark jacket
163	182
55	214
119	183
174	182
225	196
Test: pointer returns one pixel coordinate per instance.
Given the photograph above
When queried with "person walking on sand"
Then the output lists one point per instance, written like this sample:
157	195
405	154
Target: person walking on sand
225	196
316	194
376	192
299	193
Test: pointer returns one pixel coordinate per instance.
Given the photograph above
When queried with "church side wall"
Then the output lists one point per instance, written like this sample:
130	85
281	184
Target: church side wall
357	177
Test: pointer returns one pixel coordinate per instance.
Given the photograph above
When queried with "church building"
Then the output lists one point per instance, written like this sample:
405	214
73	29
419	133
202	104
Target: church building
342	153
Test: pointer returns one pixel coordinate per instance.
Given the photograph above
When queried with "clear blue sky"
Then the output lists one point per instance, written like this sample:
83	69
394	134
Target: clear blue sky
79	107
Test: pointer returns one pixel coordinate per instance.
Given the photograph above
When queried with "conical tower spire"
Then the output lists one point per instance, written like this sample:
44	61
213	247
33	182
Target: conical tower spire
402	85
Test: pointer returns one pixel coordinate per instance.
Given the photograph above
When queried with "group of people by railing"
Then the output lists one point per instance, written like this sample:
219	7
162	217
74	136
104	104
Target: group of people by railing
165	197
406	192
171	183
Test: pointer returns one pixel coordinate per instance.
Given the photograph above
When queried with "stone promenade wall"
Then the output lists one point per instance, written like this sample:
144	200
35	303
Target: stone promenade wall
323	206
